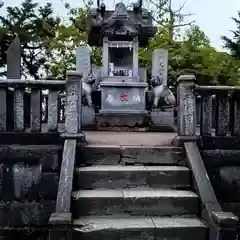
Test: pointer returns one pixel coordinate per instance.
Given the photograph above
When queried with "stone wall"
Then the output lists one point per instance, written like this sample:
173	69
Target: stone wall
28	189
223	167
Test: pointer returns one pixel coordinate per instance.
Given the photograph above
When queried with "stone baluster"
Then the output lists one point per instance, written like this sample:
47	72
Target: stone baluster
36	110
3	109
236	115
206	115
52	111
186	106
222	114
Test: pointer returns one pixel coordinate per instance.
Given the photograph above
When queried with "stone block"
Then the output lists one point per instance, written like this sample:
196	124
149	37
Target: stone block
47	155
23	213
19	214
106	228
98	202
160	202
117	176
176	228
116	96
98	154
48	186
229	184
88	116
152	155
162	117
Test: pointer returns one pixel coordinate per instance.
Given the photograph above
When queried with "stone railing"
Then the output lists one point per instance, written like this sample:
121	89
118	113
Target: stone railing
223	120
60	221
21	104
225	131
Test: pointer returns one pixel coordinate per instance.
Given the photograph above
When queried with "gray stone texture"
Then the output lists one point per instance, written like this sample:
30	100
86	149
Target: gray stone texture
144	228
3	110
35	110
159	117
73	102
160	64
83	61
117	176
137	201
26	213
112	154
53	111
66	177
186	106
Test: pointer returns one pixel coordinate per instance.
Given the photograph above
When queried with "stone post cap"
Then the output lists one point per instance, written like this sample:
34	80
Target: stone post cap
190	78
225	218
74	73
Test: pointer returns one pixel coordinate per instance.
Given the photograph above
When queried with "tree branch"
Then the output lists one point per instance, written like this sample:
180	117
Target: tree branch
184	24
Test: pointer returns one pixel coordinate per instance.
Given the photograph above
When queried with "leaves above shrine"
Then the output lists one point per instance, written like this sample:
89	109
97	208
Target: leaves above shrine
120	24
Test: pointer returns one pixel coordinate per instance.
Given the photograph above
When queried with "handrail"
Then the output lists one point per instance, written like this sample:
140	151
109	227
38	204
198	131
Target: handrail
216	88
49	84
222	224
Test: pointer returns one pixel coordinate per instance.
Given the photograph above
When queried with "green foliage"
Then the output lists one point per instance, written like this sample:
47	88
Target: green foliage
34	25
234	44
62	47
193	54
49	44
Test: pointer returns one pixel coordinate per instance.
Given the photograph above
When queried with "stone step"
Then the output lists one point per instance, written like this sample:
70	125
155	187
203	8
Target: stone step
136	201
100	154
117	176
144	228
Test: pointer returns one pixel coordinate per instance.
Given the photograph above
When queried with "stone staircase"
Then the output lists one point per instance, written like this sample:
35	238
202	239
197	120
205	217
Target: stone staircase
135	192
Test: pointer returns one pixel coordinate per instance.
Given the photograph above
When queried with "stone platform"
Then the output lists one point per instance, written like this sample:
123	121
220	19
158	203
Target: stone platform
130	138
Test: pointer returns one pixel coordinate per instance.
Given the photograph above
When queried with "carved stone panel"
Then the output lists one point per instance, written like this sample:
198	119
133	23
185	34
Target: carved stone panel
160	64
123	98
83	61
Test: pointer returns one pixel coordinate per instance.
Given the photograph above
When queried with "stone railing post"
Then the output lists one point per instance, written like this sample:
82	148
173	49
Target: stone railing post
224	226
73	108
61	220
186	109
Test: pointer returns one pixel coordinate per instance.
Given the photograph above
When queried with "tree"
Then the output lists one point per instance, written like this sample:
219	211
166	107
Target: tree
173	19
234	44
193	54
34	25
61	54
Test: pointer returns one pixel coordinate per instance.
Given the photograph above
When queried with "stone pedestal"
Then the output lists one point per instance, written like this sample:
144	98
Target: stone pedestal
123	103
162	118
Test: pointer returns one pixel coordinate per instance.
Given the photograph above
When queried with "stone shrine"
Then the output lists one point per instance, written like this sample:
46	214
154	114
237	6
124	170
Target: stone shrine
122	85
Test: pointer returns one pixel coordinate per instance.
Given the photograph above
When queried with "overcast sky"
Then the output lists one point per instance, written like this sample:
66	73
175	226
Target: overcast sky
213	16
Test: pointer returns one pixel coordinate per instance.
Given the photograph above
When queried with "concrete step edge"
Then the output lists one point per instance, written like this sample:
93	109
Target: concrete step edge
93	223
133	193
120	168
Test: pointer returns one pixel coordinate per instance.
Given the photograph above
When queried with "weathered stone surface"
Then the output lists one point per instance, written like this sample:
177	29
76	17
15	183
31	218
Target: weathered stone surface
179	229
99	155
144	228
98	202
160	202
221	157
113	176
230	184
162	117
26	213
47	155
48	186
232	207
66	177
153	155
135	202
106	228
26	233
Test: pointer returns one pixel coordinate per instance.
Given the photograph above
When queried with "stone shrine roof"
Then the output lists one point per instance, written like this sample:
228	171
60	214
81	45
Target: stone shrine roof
120	24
